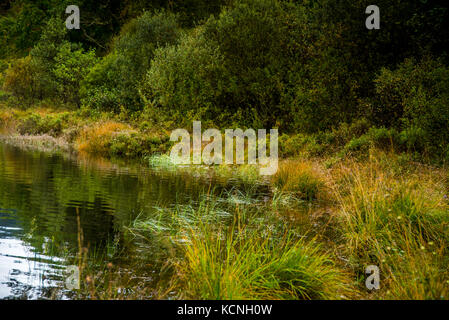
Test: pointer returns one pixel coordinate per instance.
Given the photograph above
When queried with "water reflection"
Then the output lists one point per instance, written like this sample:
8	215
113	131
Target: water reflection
47	194
24	273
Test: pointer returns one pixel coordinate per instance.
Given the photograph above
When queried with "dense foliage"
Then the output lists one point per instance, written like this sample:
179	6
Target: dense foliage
306	67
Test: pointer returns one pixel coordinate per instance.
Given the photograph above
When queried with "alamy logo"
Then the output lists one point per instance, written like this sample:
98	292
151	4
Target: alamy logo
373	280
72	280
373	20
72	21
212	153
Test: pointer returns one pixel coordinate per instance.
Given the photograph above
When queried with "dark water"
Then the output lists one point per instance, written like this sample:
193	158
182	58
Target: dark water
41	197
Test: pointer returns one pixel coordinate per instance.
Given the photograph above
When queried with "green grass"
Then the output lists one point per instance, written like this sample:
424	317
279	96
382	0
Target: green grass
240	264
399	224
223	249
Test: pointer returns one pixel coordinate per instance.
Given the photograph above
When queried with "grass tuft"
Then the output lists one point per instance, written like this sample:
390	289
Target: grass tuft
299	178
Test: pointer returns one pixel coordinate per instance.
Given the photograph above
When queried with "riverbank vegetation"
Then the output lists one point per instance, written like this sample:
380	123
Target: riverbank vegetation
245	243
363	117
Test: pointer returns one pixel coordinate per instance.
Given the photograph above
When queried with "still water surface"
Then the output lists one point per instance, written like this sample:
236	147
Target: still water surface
41	196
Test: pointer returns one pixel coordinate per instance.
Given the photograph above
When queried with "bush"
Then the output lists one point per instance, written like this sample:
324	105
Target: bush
415	95
21	81
113	81
70	66
97	139
263	63
53	69
242	68
117	139
381	138
134	145
187	81
414	139
35	124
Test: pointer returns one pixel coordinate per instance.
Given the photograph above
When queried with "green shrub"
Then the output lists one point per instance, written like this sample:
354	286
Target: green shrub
187	81
357	144
21	80
415	95
134	145
244	68
113	81
70	67
381	138
53	69
414	139
35	124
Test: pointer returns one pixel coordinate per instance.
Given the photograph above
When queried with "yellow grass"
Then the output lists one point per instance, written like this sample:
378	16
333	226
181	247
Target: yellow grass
96	139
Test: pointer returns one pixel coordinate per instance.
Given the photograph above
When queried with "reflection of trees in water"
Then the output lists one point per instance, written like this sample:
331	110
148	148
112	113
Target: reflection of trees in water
48	190
25	273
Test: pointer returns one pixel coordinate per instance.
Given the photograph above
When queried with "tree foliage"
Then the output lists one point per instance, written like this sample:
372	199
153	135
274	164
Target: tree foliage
306	66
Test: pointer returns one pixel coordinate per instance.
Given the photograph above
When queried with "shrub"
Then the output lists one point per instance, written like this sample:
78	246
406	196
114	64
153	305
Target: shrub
53	69
241	68
70	66
21	80
381	138
116	139
35	123
187	82
415	96
291	145
414	139
113	81
135	144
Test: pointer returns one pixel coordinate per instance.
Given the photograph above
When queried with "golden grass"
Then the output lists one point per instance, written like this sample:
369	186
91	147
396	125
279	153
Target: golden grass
96	139
397	222
300	177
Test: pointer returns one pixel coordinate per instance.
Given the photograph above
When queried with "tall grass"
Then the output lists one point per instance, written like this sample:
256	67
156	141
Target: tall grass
240	261
300	178
399	223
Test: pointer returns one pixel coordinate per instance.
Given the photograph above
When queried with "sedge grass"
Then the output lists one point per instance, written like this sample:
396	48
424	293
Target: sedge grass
399	223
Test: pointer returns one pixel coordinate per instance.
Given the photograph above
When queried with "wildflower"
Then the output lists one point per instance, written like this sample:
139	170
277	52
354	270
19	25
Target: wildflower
423	248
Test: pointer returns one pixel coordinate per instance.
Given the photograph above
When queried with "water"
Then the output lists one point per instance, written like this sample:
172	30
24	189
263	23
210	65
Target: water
41	197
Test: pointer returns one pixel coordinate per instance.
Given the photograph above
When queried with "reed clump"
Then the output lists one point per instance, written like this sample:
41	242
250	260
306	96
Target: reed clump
399	223
301	178
251	258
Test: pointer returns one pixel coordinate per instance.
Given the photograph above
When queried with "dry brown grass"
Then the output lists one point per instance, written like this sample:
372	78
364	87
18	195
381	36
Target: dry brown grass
96	139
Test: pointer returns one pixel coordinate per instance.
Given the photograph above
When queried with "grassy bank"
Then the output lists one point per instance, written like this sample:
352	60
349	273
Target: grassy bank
103	134
328	214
